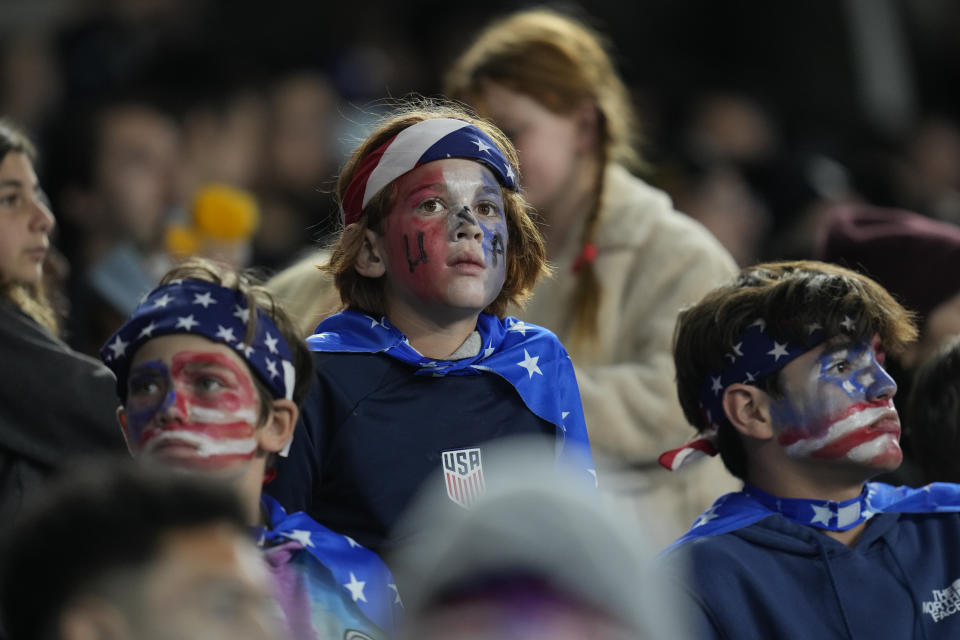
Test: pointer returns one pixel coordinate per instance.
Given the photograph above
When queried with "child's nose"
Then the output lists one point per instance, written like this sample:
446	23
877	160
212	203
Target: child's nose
465	226
173	410
883	387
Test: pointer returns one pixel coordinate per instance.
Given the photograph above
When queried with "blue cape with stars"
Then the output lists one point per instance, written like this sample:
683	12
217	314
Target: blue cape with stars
740	509
360	572
527	356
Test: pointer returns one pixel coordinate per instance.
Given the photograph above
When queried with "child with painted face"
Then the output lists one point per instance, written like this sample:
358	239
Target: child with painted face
210	373
422	368
781	372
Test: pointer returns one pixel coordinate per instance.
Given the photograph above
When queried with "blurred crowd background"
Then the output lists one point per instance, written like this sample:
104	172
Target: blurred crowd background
169	127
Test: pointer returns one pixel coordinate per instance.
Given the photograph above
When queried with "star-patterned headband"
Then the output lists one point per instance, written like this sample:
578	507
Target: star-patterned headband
423	142
754	356
209	310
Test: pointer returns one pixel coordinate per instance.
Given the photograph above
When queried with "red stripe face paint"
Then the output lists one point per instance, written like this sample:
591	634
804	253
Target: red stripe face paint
200	413
445	239
838	405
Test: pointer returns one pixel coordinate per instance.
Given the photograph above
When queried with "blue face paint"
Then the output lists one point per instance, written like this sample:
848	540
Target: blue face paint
149	393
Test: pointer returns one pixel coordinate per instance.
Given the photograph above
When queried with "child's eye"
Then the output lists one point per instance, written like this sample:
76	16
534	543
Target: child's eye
433	205
209	383
143	387
488	210
840	366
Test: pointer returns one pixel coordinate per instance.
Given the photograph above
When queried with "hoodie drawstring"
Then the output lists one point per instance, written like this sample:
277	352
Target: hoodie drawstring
836	589
904	576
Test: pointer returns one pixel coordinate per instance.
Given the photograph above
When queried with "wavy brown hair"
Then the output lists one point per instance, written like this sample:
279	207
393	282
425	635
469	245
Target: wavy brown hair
789	296
526	256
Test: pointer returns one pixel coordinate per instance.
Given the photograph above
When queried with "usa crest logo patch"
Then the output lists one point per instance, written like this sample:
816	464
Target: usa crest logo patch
463	476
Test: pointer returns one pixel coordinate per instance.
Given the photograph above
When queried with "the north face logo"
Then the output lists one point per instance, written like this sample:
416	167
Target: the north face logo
946	602
463	476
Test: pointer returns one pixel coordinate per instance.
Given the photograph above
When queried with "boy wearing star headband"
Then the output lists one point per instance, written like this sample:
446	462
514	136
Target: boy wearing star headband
781	372
422	368
210	374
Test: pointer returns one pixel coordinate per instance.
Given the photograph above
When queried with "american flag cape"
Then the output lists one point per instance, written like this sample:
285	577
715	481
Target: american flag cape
362	574
527	356
737	510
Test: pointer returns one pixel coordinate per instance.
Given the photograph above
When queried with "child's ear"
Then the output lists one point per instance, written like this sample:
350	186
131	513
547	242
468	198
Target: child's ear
276	433
748	410
124	429
369	261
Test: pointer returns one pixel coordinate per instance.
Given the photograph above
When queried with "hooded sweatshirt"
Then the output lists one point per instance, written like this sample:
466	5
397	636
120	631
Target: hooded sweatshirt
778	579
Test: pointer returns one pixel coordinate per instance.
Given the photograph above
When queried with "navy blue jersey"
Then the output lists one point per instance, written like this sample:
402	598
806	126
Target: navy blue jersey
371	432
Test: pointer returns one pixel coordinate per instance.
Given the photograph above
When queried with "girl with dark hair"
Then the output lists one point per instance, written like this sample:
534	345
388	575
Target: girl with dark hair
55	404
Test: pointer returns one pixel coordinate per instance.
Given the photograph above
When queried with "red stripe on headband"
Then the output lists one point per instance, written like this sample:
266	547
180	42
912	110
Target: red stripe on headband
352	202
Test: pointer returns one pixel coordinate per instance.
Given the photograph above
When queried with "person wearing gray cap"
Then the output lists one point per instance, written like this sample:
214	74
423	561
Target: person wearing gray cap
537	557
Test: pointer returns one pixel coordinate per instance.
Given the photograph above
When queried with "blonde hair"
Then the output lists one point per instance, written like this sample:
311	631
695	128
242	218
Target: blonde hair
526	256
560	62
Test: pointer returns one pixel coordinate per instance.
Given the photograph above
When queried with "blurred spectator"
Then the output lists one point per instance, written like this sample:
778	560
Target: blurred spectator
933	413
116	174
303	155
29	80
929	176
122	553
55	404
536	558
625	260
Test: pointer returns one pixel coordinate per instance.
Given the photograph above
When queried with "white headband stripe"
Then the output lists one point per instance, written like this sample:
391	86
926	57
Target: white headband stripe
406	150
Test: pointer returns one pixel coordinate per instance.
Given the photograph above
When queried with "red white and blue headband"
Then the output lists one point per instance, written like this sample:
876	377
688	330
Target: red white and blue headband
209	310
423	142
756	355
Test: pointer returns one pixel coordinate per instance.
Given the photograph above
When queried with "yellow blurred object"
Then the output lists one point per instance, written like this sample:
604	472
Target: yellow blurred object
225	213
181	240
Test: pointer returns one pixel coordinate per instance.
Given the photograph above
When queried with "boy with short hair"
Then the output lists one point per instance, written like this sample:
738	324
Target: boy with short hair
210	373
782	373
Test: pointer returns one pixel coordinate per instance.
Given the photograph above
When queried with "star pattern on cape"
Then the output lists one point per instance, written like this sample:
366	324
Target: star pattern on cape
821	514
355	587
301	536
530	364
519	326
396	592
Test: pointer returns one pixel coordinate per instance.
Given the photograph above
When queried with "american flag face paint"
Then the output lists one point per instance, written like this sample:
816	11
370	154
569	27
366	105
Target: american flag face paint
445	238
838	405
191	408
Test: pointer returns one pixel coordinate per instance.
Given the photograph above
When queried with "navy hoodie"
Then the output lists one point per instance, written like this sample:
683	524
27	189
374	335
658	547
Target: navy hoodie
778	579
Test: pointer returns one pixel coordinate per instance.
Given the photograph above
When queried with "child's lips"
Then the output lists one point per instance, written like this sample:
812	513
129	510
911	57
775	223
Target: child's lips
467	263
